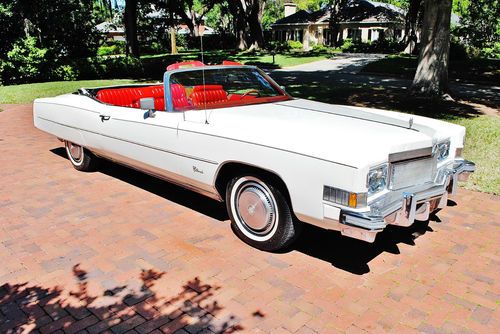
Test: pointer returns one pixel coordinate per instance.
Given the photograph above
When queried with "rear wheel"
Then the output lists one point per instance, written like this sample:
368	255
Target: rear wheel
260	214
81	159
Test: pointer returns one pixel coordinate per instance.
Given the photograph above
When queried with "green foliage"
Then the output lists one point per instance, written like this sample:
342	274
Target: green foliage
310	4
273	12
295	45
114	49
378	46
64	73
491	52
347	45
480	26
278	46
25	61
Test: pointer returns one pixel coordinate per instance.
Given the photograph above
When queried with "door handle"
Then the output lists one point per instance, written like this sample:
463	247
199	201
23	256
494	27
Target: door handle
104	118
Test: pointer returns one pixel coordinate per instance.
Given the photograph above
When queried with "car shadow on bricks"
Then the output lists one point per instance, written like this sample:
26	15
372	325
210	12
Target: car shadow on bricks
25	307
354	255
167	190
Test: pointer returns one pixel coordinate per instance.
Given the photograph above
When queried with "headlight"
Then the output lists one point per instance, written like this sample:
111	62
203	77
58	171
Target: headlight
377	179
443	150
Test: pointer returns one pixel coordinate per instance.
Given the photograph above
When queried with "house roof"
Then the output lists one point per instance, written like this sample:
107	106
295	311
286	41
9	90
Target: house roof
355	11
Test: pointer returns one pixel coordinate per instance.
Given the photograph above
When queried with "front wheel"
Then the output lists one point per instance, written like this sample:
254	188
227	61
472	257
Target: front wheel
80	158
260	214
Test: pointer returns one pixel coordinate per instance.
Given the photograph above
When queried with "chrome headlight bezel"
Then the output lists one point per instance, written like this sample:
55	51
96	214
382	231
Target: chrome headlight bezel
377	179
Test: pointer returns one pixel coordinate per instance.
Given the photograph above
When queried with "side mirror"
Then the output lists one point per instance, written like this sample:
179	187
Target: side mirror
148	103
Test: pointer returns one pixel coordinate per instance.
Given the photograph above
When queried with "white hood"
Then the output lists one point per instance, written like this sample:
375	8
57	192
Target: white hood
357	137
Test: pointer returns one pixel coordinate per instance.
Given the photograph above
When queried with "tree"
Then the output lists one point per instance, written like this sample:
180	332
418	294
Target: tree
131	27
431	78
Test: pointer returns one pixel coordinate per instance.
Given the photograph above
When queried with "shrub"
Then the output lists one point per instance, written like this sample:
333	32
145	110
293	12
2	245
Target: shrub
25	62
295	45
347	45
493	52
278	46
64	73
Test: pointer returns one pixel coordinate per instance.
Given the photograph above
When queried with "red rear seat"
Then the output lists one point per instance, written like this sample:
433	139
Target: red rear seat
129	97
208	94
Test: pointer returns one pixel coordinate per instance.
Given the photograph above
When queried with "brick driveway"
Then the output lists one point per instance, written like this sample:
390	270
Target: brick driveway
117	250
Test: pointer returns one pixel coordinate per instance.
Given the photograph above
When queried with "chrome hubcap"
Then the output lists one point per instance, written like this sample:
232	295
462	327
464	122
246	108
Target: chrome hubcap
255	208
75	151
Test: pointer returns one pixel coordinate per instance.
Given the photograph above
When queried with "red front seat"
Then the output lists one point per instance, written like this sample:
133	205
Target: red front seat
208	94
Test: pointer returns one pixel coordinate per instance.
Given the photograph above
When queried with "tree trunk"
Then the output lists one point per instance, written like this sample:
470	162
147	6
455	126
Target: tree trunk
336	7
411	26
237	10
173	41
131	27
431	78
254	22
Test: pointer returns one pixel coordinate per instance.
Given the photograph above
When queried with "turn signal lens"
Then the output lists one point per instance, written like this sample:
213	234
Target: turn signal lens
353	200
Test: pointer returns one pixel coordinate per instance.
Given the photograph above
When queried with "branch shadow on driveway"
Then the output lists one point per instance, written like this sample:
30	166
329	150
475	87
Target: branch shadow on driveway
342	252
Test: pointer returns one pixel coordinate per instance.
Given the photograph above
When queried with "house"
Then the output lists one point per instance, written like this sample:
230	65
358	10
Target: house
111	31
362	21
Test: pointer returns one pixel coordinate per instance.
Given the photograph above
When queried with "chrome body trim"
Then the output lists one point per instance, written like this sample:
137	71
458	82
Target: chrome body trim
407	155
400	208
198	187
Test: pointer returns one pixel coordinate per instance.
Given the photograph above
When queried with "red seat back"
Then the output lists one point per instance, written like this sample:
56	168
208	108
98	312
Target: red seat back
124	97
208	94
130	97
179	98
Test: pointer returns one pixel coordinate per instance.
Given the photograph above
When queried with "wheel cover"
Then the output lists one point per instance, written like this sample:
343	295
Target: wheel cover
255	208
76	152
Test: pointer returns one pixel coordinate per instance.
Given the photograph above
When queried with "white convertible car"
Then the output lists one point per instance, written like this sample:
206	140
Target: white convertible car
231	133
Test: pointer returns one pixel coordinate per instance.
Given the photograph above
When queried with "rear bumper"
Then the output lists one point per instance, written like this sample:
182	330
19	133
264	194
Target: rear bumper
404	207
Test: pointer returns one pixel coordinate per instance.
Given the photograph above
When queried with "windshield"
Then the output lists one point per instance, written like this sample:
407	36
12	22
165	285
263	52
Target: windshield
222	87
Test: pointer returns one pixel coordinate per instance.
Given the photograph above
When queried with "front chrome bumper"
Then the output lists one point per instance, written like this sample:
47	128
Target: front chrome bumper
402	208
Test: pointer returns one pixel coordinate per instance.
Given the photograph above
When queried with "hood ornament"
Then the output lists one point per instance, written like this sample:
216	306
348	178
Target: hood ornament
411	123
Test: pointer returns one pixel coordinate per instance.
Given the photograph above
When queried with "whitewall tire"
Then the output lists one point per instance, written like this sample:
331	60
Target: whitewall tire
80	158
260	215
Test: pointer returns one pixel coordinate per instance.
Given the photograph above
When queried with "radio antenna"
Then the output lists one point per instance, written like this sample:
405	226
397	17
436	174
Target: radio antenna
203	78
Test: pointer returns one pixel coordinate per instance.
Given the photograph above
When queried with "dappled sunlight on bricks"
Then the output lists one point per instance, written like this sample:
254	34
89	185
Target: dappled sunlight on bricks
24	306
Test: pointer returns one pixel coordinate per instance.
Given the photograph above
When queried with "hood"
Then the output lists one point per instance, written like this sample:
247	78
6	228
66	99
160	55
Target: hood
341	134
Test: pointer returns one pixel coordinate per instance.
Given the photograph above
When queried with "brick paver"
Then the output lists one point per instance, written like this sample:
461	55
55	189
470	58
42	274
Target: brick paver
117	251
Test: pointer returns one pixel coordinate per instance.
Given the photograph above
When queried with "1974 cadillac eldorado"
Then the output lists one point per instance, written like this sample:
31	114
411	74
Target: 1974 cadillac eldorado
231	133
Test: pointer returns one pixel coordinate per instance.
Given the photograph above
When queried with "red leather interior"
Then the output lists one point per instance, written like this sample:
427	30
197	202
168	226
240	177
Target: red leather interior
208	94
179	98
130	97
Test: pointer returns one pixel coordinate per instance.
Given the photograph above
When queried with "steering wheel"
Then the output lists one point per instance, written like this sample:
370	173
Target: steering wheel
249	92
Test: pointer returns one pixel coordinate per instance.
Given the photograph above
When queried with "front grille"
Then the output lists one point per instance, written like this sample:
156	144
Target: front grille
412	173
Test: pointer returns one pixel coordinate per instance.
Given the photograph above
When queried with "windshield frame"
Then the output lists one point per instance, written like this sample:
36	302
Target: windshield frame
284	96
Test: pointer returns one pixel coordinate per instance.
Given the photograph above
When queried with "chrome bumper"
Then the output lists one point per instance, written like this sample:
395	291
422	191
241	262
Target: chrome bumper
404	207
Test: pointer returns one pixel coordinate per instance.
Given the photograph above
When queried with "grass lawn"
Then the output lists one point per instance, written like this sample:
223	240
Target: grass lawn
250	58
474	70
28	92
